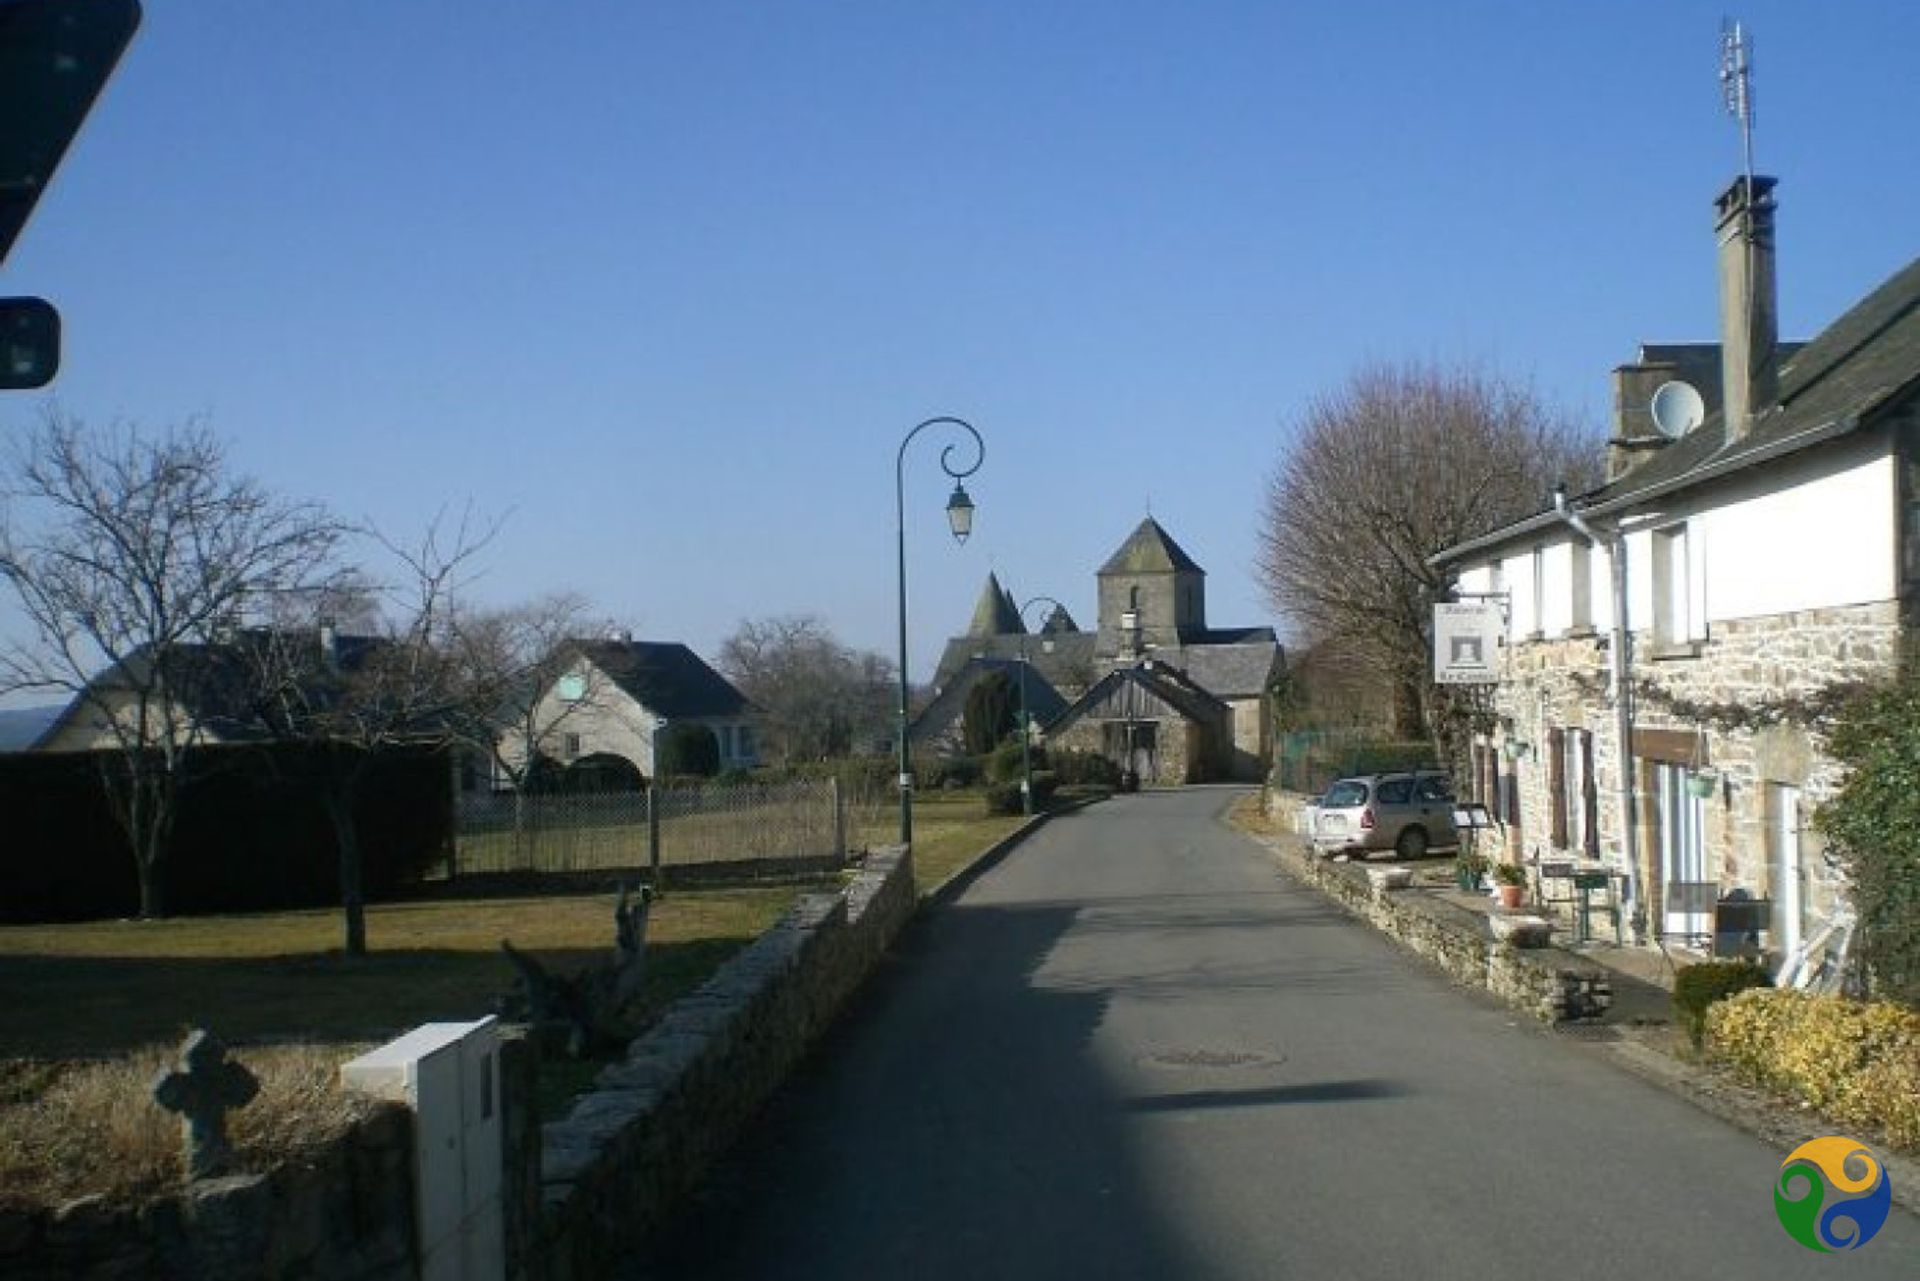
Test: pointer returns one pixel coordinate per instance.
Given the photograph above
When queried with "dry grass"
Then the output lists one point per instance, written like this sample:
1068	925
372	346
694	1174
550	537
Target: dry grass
100	988
94	1011
93	1129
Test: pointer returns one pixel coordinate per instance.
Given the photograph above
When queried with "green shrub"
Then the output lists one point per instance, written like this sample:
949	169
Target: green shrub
1003	798
1872	826
990	711
1004	765
689	748
1697	987
1045	784
1857	1061
1076	769
948	772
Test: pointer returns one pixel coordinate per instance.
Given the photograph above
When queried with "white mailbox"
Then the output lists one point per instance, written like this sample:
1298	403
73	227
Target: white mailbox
448	1074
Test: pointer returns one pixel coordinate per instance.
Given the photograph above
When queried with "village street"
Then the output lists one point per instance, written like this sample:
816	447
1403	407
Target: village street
1133	1050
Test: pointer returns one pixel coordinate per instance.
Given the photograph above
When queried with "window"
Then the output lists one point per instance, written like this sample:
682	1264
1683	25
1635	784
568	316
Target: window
1580	572
1673	622
1395	791
569	746
1576	809
1678	817
1537	565
571	688
743	743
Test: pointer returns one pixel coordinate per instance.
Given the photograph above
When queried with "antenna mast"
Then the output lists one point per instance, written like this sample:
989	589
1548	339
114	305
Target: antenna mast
1736	84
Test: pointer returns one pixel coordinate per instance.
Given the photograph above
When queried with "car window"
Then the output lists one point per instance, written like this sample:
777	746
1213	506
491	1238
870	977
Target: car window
1434	789
1345	794
1395	791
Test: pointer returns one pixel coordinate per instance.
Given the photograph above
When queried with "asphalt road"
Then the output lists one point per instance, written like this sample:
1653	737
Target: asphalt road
1133	1050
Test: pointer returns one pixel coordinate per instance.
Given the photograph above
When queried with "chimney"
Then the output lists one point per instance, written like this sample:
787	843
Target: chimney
1749	358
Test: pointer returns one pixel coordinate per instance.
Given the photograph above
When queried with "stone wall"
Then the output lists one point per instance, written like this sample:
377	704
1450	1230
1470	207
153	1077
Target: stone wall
612	1170
1561	684
1544	982
346	1215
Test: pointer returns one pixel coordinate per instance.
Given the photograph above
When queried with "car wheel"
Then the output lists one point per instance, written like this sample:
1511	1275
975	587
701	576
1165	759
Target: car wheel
1412	843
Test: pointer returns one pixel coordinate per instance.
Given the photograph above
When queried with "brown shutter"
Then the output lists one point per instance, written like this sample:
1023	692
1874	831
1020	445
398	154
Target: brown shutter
1589	796
1557	784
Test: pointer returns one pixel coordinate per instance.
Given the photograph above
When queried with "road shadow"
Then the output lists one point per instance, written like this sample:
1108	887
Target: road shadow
952	1125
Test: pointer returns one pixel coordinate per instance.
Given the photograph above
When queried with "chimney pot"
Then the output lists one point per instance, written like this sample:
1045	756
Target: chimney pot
1750	362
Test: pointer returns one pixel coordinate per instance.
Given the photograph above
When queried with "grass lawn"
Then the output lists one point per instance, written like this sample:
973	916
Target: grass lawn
102	988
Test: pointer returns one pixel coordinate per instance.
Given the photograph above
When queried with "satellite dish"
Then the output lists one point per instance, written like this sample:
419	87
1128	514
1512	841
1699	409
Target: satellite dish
1677	409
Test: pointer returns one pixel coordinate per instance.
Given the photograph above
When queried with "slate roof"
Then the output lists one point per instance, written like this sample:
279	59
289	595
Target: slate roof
1164	681
1058	622
1241	670
216	683
1068	664
665	677
1149	549
995	614
1043	700
1866	363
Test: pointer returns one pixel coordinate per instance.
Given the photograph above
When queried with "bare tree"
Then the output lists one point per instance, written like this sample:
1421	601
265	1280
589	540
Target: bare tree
819	697
512	661
1397	463
403	687
130	555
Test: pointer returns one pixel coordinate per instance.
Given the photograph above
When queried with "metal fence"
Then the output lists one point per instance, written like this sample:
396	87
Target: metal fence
710	826
1308	760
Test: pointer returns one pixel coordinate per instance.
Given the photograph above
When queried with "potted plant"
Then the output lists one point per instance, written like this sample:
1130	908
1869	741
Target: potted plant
1701	782
1512	880
1468	868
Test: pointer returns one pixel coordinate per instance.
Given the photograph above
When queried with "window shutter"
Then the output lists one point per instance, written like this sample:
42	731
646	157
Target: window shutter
1557	784
1589	796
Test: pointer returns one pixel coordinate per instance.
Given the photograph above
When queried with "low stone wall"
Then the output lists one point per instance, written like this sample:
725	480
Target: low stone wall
347	1214
1548	984
612	1170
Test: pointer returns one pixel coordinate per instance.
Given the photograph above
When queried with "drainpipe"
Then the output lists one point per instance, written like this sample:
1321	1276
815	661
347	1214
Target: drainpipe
1620	675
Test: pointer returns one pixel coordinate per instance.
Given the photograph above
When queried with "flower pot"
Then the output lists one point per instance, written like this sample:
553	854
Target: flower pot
1702	785
1511	895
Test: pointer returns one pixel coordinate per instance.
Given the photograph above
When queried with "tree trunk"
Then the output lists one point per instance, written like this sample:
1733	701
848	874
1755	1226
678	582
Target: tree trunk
147	832
346	837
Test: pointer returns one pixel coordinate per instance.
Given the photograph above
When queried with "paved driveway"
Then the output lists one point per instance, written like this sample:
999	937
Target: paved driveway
1133	1051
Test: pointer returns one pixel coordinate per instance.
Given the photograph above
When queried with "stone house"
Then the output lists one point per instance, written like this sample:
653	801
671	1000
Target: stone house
205	694
605	712
1669	635
1152	720
1152	607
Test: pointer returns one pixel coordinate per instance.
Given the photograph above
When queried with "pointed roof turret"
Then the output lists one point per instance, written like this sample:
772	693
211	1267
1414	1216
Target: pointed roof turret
1059	622
1150	549
995	614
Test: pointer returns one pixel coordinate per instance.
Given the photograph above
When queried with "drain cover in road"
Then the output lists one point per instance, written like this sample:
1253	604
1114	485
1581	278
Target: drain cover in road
1211	1059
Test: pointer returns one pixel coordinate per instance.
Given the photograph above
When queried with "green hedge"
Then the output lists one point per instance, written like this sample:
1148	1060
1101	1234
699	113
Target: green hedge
1697	987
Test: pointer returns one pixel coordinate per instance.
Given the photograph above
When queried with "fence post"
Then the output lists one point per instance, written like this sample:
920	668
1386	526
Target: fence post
653	832
839	820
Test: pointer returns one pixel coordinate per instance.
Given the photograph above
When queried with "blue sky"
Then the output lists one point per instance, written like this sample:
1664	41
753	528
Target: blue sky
668	283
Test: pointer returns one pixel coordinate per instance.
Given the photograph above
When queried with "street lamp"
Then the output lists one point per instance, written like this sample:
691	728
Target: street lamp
1026	717
960	521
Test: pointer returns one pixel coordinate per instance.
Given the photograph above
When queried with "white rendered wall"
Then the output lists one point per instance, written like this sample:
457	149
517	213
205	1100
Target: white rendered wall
1828	540
1813	533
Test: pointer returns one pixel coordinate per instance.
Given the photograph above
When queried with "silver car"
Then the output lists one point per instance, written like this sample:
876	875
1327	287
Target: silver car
1408	812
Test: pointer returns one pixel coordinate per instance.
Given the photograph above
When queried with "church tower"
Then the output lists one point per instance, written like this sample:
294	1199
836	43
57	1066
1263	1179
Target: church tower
1152	596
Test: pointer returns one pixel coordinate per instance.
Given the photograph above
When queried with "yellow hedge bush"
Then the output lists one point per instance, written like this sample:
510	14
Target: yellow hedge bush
1857	1062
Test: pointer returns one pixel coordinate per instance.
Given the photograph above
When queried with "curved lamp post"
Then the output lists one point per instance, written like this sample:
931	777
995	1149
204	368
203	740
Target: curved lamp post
1026	717
960	521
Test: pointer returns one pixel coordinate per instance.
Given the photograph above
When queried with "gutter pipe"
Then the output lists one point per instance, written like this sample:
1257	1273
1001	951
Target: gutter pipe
1620	674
